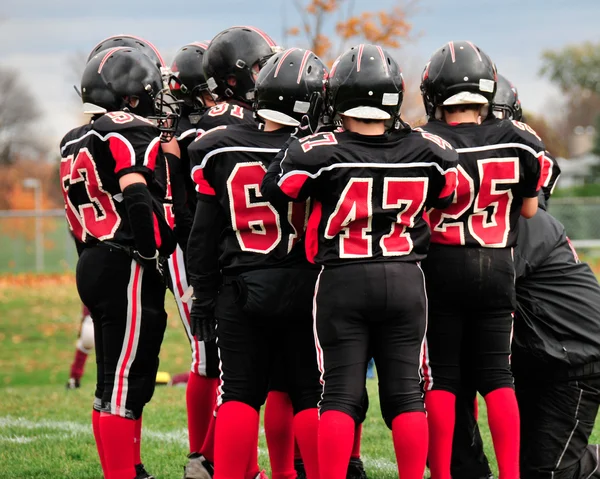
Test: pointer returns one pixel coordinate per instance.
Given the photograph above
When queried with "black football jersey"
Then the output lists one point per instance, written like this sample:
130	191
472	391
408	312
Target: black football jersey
185	135
229	164
368	192
93	158
500	163
229	113
558	299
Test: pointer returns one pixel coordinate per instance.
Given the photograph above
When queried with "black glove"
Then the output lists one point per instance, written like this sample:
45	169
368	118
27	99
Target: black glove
204	326
153	263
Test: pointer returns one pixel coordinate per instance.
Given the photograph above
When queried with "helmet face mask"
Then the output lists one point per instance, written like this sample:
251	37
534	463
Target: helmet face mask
167	112
506	103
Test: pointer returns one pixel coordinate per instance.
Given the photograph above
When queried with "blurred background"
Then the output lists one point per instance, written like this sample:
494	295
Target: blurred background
549	49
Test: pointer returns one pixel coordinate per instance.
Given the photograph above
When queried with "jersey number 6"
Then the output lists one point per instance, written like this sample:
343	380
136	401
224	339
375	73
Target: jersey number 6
255	221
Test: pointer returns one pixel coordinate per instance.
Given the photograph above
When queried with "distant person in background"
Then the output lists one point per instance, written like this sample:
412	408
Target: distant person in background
85	345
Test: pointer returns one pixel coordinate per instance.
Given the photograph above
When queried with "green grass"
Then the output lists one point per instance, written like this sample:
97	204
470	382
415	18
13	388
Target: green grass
45	430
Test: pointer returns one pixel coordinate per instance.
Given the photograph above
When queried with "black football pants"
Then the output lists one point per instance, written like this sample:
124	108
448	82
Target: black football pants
376	309
557	419
263	333
127	305
471	295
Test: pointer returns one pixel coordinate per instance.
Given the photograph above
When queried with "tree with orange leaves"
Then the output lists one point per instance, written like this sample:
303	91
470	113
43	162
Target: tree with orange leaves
385	28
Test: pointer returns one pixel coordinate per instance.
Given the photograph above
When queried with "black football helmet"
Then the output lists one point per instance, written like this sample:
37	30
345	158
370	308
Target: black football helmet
290	88
233	54
187	81
506	101
459	73
366	83
118	78
130	41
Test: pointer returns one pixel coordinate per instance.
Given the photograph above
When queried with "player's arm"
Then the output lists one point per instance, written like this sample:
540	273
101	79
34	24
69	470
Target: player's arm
444	176
531	156
138	202
183	216
292	175
203	265
134	145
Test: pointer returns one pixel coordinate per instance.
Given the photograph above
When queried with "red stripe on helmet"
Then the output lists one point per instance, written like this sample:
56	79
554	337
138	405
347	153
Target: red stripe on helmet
108	55
303	64
265	37
284	56
361	47
476	51
452	52
200	44
140	39
385	65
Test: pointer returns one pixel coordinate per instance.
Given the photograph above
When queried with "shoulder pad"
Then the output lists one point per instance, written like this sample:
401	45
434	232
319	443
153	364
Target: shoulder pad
326	138
122	120
74	135
523	132
436	145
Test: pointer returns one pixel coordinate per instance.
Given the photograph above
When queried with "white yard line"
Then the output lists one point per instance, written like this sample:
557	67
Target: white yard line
59	430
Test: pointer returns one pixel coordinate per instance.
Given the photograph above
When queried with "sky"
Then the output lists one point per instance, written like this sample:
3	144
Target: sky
44	41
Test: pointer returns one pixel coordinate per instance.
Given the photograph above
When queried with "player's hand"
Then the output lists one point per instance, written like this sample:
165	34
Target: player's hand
155	262
172	147
204	327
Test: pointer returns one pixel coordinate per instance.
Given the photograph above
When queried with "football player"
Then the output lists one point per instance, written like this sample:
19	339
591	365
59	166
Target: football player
468	458
369	188
252	256
188	84
85	338
469	270
113	201
85	345
230	64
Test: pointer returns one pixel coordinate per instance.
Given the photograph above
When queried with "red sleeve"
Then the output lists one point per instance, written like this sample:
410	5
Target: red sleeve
202	185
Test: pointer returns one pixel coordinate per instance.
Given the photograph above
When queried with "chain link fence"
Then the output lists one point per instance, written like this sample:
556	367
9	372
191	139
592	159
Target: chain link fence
39	241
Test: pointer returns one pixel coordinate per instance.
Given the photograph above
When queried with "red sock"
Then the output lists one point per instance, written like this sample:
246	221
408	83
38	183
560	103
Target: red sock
117	435
208	446
297	455
236	434
98	439
441	417
476	409
411	436
279	432
137	442
201	396
336	435
503	418
306	429
253	468
78	364
357	438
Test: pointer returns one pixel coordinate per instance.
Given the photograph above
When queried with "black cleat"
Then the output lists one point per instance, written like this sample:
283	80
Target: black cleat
356	469
141	473
198	467
300	471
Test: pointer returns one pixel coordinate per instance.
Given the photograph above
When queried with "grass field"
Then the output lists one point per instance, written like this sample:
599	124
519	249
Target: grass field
45	430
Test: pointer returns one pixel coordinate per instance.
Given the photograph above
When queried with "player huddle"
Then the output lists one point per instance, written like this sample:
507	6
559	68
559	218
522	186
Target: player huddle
317	230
